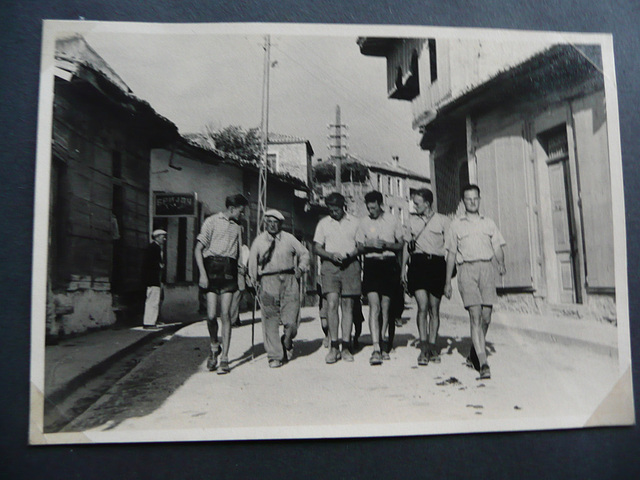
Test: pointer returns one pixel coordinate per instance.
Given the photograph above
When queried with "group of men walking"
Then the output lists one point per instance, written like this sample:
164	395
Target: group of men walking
371	256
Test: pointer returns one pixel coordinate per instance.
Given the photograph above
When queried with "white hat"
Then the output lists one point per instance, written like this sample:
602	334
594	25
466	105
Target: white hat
158	232
275	214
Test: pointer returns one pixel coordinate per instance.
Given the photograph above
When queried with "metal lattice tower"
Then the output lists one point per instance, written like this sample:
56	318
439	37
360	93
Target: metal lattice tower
264	129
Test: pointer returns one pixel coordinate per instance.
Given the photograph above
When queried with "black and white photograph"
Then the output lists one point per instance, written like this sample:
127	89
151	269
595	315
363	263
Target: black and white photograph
290	231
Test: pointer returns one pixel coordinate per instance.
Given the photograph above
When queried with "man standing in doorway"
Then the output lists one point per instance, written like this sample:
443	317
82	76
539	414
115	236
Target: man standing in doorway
425	276
335	243
473	242
381	238
216	254
277	261
153	266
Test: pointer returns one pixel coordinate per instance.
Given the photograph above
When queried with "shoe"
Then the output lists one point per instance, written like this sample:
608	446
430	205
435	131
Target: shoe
376	358
333	356
326	342
223	368
385	356
356	344
213	358
274	363
423	358
485	372
434	356
346	355
288	352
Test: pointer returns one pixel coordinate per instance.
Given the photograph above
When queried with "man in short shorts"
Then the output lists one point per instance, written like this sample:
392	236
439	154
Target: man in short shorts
425	275
335	243
474	241
216	254
381	238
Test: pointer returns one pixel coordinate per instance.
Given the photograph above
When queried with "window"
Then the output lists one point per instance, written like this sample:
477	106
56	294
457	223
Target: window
389	186
400	215
116	164
399	187
433	59
379	183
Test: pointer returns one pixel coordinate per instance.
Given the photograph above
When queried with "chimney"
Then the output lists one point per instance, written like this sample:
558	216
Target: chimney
396	160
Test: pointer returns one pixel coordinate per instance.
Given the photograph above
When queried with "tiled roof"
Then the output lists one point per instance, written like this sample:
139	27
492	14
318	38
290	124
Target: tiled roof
390	166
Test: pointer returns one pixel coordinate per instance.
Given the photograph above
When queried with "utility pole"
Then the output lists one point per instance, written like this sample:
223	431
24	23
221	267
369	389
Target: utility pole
338	147
264	129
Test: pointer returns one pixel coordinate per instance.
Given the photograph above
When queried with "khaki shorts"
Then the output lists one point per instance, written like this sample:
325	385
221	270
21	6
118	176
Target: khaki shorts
477	283
344	281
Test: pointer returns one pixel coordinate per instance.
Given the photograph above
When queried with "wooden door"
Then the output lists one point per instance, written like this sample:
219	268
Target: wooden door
562	236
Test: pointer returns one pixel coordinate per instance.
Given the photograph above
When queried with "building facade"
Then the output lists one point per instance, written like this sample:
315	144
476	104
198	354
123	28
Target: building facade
395	182
98	228
530	128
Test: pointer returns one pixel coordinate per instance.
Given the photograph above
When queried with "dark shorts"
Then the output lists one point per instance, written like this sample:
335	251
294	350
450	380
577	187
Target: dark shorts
381	275
222	273
344	280
426	272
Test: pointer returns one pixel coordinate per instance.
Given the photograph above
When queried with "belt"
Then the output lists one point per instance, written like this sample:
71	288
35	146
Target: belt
428	256
287	271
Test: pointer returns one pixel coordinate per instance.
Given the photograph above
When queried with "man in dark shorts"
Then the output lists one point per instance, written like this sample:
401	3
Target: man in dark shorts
474	243
381	238
335	243
216	253
425	276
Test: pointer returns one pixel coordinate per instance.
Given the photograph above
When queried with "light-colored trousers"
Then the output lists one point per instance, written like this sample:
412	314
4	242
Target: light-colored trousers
280	301
152	306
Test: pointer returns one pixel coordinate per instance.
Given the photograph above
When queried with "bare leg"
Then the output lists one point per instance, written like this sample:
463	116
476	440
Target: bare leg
212	323
422	299
225	322
384	307
374	320
333	301
347	318
434	318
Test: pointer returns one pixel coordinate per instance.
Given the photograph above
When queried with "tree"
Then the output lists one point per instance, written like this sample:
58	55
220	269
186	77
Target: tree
352	171
234	139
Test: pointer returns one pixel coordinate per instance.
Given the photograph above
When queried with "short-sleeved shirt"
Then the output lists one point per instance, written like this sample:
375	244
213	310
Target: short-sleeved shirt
220	236
337	236
473	238
429	234
386	228
288	253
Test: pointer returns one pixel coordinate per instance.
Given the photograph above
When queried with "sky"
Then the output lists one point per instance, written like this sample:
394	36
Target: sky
205	79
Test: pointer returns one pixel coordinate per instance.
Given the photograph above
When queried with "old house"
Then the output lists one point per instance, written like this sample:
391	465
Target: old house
360	176
528	124
291	155
99	203
190	181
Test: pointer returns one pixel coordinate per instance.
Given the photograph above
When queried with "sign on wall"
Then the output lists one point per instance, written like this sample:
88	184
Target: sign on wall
175	204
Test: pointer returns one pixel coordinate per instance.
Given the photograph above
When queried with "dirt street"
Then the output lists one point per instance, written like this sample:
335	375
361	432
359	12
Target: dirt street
534	384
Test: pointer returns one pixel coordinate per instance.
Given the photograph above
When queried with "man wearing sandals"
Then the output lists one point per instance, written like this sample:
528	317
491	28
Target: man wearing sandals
216	253
425	276
277	260
474	241
381	238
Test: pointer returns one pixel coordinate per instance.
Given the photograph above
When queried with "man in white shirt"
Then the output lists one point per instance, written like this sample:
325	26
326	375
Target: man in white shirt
335	243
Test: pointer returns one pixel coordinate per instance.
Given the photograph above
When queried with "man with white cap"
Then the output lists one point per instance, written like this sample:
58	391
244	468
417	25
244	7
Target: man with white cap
277	260
152	268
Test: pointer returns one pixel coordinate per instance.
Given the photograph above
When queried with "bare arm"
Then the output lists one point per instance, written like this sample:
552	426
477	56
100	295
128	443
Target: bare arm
499	253
451	260
203	282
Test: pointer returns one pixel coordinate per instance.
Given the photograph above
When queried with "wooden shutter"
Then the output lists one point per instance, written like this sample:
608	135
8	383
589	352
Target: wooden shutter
502	166
592	155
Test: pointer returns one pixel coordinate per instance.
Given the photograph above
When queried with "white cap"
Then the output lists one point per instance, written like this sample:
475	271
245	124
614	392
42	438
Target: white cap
158	232
275	214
